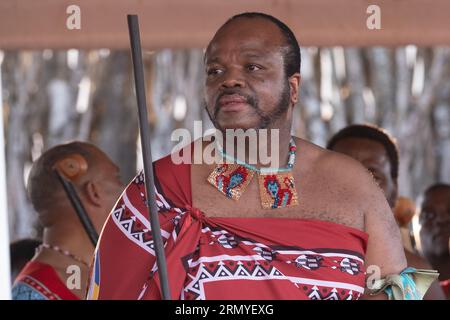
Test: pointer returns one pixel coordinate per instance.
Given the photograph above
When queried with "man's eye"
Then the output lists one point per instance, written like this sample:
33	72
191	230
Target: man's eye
213	71
253	67
427	215
378	179
374	176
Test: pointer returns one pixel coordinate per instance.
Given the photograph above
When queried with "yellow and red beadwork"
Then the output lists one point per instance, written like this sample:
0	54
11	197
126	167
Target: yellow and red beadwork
276	185
277	190
231	179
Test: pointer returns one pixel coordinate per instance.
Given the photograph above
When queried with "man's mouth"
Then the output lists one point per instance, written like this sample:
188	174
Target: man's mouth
232	103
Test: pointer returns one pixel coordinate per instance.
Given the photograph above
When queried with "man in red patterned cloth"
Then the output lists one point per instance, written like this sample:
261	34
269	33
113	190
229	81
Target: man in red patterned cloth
59	270
306	229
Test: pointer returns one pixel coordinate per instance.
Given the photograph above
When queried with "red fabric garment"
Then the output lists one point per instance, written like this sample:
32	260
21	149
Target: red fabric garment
39	280
445	285
221	258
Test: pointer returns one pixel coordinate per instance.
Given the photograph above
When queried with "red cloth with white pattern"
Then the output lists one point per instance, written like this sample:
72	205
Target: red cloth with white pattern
221	258
43	280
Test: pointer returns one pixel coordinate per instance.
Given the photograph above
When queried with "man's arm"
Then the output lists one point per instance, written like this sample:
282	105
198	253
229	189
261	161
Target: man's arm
385	251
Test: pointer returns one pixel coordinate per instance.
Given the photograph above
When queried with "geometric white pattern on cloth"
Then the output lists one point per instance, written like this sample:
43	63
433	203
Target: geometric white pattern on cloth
28	288
136	227
227	240
22	291
128	225
243	270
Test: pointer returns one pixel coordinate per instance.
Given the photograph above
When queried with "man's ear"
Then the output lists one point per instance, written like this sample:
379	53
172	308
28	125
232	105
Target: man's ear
92	192
294	84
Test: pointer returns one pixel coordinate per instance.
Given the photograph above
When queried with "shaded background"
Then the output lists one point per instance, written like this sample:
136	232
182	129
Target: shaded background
396	77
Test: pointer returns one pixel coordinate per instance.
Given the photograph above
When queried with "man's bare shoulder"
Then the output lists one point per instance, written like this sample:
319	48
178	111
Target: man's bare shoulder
332	184
337	168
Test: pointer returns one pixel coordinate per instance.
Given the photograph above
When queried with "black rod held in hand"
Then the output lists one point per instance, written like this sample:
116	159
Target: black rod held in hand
133	28
79	208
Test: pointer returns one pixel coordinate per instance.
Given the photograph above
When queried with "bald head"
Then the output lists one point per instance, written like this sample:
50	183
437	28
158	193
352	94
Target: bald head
288	42
45	191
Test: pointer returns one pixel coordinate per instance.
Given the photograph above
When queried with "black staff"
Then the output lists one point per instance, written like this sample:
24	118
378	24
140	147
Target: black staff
79	208
133	28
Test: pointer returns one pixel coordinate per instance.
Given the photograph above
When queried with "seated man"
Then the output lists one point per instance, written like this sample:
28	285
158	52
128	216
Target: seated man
305	228
435	231
378	152
67	250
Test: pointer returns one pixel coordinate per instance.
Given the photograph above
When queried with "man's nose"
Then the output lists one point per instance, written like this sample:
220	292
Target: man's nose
233	78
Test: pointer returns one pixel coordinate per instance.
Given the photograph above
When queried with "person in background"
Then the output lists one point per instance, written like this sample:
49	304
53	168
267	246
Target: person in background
22	251
378	152
435	230
59	270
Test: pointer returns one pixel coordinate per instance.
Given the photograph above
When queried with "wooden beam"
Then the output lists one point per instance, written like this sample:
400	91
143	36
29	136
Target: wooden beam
31	24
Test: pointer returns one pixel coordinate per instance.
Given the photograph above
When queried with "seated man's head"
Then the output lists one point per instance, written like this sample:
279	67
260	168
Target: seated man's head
94	176
376	150
252	73
435	222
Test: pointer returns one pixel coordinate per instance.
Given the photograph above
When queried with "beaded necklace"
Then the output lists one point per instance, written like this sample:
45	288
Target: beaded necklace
276	185
62	252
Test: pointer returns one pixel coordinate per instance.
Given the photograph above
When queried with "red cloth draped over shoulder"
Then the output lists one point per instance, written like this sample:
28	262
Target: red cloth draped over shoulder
221	258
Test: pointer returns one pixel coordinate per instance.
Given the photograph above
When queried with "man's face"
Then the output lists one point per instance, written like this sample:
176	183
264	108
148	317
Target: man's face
245	80
435	223
373	156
